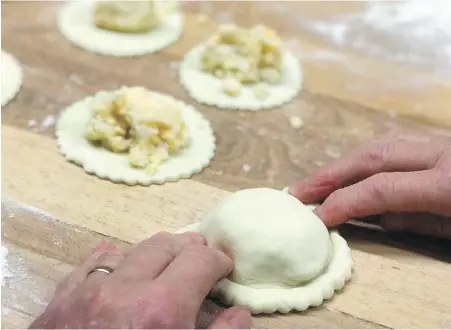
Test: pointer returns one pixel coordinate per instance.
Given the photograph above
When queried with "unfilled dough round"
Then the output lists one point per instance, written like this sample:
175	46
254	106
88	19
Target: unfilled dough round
285	258
274	239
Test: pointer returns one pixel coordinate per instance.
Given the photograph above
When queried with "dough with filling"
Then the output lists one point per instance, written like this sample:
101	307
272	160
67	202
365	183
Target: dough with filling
136	136
148	126
121	28
285	257
126	16
241	68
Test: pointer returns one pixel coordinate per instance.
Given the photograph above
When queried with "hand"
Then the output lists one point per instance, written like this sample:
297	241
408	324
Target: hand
159	283
405	178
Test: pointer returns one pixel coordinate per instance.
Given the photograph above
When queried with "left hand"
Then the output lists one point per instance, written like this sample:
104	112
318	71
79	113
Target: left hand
159	283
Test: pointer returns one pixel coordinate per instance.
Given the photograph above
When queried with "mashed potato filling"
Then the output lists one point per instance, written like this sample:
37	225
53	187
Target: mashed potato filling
126	16
249	56
148	126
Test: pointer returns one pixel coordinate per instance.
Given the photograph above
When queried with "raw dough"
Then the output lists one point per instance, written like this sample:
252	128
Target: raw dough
70	132
76	23
12	77
241	69
285	258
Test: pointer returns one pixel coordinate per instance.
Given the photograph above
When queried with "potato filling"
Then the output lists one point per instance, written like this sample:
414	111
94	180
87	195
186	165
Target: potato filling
126	16
148	126
248	55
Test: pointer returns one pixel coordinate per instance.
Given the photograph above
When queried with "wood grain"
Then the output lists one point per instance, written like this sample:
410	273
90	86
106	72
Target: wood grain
53	213
94	205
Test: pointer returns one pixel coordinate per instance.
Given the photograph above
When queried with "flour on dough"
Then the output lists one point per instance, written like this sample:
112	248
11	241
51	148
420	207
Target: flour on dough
76	23
70	132
12	77
207	89
285	258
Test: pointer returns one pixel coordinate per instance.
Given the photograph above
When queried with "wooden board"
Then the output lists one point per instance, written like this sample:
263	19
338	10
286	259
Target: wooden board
53	213
390	291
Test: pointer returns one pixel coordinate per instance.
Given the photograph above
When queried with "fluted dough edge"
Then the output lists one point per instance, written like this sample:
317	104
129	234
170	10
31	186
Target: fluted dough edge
259	301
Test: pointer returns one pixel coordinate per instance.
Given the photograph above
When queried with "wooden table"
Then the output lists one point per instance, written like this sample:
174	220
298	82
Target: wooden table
53	213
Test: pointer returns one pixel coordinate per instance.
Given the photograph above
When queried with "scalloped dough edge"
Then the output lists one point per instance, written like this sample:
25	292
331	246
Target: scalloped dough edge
73	145
100	47
284	300
205	88
11	77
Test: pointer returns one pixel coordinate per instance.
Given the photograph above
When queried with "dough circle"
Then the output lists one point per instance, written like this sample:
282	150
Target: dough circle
12	77
105	164
76	24
285	258
207	89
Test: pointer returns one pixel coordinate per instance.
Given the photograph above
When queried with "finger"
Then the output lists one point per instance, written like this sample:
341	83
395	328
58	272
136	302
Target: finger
191	276
150	257
418	223
385	192
232	318
378	156
110	259
78	275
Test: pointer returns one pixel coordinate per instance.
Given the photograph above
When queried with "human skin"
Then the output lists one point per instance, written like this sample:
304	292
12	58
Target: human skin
404	177
158	283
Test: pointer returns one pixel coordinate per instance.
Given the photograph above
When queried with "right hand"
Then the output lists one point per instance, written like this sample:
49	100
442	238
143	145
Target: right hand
404	178
159	283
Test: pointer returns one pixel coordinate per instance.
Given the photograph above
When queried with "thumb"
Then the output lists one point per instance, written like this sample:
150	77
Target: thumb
418	223
232	318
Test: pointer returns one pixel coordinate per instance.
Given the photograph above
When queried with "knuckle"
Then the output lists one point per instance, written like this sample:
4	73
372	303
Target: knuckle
380	187
162	241
325	177
162	236
194	238
202	253
377	152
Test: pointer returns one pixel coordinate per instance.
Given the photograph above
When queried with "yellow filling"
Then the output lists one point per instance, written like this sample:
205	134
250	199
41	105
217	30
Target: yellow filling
148	126
249	55
126	16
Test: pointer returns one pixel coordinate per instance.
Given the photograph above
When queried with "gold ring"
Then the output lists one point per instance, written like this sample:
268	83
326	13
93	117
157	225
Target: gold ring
103	269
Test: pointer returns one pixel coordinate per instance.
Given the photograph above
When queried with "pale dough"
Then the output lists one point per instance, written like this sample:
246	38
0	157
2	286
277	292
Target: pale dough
12	77
207	89
285	258
70	132
76	23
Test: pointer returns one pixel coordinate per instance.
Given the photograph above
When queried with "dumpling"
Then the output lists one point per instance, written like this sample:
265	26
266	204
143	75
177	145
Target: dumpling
285	258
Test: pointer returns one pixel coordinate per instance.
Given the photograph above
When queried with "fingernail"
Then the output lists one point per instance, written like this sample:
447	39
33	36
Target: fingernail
294	189
318	211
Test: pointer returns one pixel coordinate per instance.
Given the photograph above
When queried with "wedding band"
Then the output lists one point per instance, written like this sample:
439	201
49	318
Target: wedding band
102	269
